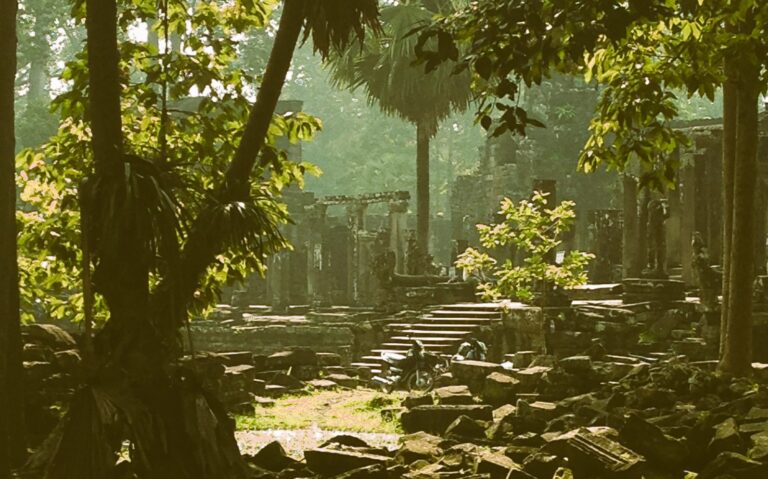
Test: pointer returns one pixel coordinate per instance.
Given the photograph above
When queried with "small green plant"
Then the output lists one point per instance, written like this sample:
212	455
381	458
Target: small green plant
536	231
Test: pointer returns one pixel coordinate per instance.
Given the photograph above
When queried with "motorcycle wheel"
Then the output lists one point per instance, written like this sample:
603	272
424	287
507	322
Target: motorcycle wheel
420	381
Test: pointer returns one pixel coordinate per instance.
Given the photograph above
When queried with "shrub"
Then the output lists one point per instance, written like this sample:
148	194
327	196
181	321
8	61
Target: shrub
536	231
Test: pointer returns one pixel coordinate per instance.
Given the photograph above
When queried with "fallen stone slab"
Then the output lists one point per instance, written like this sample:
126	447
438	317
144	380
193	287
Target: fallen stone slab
330	462
273	457
328	359
466	428
292	358
733	465
237	357
650	441
473	373
322	384
499	388
499	466
343	380
419	446
417	399
458	394
594	455
376	471
436	419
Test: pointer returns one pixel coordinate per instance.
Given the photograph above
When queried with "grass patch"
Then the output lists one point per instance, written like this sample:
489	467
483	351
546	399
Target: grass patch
351	411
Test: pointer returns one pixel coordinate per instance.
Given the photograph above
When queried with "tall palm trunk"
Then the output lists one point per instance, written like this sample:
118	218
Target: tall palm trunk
737	350
422	190
12	442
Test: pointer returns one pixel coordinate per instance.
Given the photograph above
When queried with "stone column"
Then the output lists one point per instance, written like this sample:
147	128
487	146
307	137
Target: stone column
630	254
317	283
356	221
397	237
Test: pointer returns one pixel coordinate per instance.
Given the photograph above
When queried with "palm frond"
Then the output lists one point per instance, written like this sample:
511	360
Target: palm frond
384	68
335	24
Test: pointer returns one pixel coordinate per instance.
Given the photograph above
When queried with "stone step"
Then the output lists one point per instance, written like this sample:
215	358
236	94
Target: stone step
433	332
444	313
470	306
428	318
437	347
435	325
367	364
425	338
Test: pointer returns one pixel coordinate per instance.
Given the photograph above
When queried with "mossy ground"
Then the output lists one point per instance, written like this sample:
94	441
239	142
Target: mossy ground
345	410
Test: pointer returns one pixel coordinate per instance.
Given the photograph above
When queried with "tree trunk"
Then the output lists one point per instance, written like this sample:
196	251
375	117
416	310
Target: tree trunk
730	113
12	440
422	190
737	350
239	172
104	83
201	249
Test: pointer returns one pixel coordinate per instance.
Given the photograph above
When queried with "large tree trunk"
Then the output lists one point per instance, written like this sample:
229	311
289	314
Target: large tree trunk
422	190
12	440
200	249
737	349
730	113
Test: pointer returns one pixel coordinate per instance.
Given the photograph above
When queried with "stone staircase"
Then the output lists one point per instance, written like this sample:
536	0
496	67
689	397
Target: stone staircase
441	330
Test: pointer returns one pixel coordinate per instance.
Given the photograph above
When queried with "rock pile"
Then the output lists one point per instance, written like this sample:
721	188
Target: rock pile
664	418
245	379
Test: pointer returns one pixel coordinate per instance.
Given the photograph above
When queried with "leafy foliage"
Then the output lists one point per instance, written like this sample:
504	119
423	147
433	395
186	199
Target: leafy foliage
536	231
642	53
177	154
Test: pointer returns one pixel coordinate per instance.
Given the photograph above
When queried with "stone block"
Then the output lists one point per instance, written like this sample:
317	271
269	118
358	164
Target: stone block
329	462
473	373
292	358
658	447
465	427
459	394
436	419
576	364
343	380
417	399
273	457
499	466
499	388
417	446
596	455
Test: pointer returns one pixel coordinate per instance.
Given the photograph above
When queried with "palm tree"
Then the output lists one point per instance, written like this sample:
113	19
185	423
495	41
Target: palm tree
385	69
136	389
12	447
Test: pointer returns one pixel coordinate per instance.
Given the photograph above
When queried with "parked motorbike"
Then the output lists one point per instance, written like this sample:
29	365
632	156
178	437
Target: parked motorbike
414	371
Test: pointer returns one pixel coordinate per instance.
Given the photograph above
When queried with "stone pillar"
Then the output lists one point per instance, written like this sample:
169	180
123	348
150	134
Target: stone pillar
688	220
397	232
356	221
630	252
317	283
606	244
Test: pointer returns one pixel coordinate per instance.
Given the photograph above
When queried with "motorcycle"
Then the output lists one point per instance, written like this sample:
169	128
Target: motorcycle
414	371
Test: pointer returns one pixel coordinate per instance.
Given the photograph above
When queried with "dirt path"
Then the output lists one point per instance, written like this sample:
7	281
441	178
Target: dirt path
305	422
